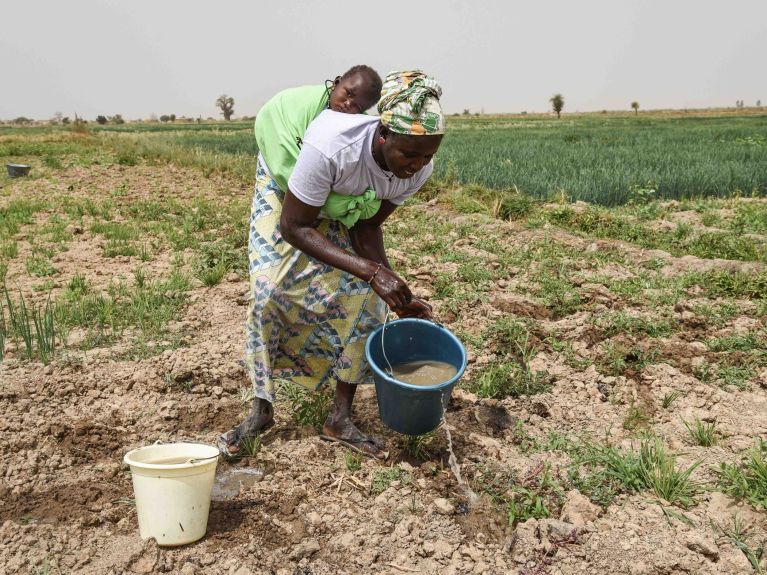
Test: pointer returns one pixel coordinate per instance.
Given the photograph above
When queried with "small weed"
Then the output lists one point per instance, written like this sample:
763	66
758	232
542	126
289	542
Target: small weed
510	375
659	473
307	407
725	377
671	514
537	496
40	266
46	286
670	398
416	446
246	397
565	347
558	293
747	480
621	322
739	536
186	384
34	325
3	332
213	276
602	471
49	566
507	379
353	461
745	342
617	357
144	253
250	446
702	433
383	478
636	418
9	249
114	248
716	315
522	438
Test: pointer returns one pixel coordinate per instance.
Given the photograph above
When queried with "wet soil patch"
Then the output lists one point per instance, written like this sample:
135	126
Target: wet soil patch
233	522
494	419
87	441
83	500
203	416
487	519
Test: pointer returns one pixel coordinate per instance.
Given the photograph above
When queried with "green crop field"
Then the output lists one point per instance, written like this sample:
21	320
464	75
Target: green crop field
605	159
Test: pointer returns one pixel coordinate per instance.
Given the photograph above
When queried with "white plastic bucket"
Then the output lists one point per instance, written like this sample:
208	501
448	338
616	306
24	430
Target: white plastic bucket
173	499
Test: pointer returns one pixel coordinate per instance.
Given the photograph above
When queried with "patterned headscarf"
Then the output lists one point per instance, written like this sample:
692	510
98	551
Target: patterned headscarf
409	104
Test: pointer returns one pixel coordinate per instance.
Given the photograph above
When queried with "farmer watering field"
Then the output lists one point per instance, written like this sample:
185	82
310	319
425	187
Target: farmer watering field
320	281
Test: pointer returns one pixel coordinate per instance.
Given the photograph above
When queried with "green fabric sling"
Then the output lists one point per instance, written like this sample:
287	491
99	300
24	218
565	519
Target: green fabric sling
349	209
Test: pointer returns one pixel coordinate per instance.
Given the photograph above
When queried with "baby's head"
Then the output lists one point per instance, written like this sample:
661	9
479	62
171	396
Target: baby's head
356	91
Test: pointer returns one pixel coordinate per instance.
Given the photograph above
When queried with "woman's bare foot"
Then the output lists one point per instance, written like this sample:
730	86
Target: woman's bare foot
261	417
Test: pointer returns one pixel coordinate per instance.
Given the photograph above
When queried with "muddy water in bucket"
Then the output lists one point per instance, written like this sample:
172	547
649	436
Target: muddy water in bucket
423	373
414	407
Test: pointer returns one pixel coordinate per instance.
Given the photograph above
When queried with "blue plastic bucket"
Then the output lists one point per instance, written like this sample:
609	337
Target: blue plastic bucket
406	408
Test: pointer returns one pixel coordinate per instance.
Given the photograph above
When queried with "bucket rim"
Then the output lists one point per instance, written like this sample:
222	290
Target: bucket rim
389	379
18	165
128	457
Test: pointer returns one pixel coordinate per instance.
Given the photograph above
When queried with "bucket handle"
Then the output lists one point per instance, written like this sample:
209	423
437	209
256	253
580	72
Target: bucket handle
193	459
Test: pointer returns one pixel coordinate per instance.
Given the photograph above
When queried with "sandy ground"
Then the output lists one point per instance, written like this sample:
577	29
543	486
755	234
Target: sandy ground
66	499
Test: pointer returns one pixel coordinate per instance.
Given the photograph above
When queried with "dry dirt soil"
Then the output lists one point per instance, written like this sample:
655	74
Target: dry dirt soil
66	499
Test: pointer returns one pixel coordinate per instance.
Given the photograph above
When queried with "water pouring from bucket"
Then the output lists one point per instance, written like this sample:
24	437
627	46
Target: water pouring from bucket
417	406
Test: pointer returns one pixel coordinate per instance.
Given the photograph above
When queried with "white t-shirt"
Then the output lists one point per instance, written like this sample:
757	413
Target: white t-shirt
336	155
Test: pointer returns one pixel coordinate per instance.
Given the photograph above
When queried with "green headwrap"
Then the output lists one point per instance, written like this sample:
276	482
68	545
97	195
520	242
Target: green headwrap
409	104
349	209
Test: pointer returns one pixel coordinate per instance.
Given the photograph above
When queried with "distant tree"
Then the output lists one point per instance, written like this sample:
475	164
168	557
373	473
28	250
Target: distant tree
22	120
101	120
635	106
165	118
117	119
557	103
758	103
466	112
65	120
79	125
226	103
173	117
57	117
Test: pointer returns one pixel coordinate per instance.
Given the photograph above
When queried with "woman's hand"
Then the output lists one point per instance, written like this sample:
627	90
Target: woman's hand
416	308
391	288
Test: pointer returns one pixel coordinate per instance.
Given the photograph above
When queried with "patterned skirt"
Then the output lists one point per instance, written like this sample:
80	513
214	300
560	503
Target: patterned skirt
307	321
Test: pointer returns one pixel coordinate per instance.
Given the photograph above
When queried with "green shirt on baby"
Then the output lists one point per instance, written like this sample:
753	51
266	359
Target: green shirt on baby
281	124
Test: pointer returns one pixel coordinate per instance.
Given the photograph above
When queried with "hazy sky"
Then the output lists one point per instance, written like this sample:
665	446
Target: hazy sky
142	57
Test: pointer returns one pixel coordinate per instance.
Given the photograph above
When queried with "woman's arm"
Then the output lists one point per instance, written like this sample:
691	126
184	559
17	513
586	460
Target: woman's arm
367	236
296	227
367	240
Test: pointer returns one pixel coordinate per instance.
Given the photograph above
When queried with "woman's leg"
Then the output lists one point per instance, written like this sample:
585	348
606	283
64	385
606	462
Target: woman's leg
339	426
257	361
